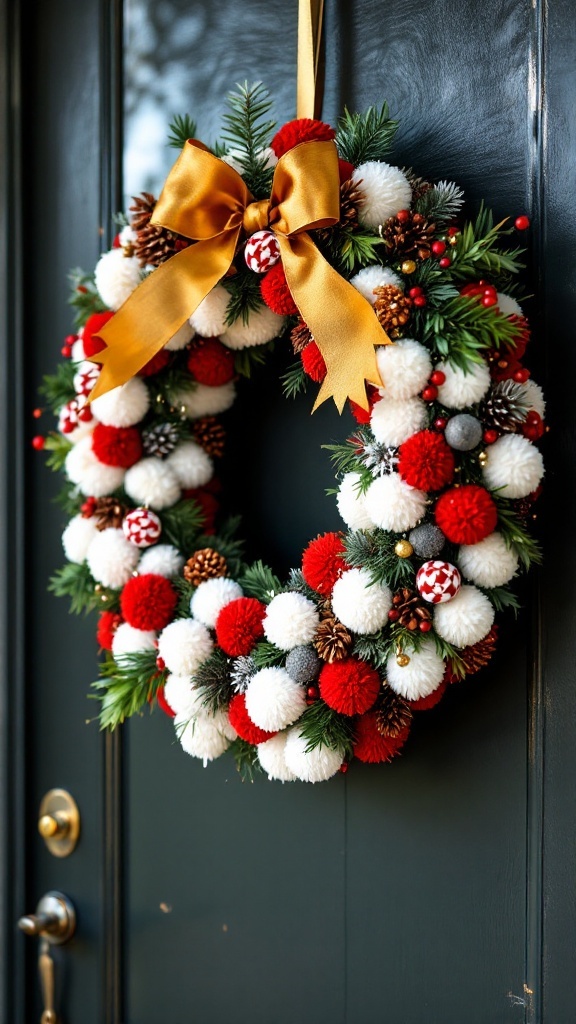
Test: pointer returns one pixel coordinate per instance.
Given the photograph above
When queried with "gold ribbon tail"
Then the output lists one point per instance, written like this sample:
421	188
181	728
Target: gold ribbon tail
310	13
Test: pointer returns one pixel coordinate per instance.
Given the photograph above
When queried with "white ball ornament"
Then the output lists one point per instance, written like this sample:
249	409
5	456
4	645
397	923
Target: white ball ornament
203	400
514	466
128	640
152	482
466	619
508	305
490	563
182	338
405	368
162	560
184	645
211	597
112	559
394	420
205	736
142	527
263	326
274	700
116	276
290	621
78	536
385	190
261	251
272	757
124	406
209	318
190	464
359	604
420	676
393	505
372	277
91	476
317	765
460	389
438	582
351	504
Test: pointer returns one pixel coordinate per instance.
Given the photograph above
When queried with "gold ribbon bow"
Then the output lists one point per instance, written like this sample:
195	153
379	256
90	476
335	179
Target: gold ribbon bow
207	201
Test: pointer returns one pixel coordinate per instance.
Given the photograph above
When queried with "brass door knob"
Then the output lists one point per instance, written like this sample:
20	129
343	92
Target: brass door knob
59	822
54	919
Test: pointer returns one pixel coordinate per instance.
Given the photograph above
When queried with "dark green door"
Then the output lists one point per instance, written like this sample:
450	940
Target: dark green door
440	888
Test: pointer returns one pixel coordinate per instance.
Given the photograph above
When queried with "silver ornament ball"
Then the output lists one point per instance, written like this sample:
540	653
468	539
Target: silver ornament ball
427	540
303	664
463	432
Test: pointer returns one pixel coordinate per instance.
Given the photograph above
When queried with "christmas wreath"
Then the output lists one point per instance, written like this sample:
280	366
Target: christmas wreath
391	301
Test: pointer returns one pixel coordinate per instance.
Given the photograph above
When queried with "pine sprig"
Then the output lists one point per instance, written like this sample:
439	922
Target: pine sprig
346	457
245	297
180	130
58	388
376	648
185	591
441	203
502	598
266	654
75	581
58	447
128	683
478	251
374	552
247	130
69	500
212	680
246	359
181	525
259	581
463	329
353	250
516	535
450	654
246	758
84	297
294	380
297	582
321	726
367	136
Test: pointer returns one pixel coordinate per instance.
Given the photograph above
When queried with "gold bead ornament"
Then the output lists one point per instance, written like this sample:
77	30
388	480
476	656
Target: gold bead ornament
403	549
408	267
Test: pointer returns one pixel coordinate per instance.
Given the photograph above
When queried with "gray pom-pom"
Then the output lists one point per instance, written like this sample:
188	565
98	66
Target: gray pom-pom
427	540
463	432
303	664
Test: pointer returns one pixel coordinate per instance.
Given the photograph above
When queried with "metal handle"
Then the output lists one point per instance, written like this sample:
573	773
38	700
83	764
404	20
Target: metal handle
46	968
54	922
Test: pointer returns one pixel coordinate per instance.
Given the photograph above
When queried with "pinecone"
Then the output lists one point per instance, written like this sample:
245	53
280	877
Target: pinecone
205	564
332	640
409	237
210	434
478	655
109	512
393	713
161	439
153	244
300	336
418	185
350	200
506	406
411	608
393	308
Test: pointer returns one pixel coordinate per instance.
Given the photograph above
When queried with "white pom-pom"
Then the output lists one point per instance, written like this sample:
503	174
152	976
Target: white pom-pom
393	505
112	559
204	736
116	276
316	765
404	368
127	236
162	560
77	538
508	306
124	406
384	189
423	673
184	699
274	700
203	400
262	326
190	464
490	563
460	389
394	420
271	755
183	645
92	476
78	355
290	621
465	619
361	605
128	640
375	276
209	318
211	597
514	466
153	483
351	504
534	396
182	338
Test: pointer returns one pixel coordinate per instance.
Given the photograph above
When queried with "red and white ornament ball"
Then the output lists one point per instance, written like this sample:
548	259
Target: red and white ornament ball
261	251
142	527
438	582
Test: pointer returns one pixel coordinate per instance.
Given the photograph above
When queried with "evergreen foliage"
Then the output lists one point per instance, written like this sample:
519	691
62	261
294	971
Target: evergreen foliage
181	525
246	758
58	387
478	254
212	680
516	534
128	683
245	298
367	136
84	297
247	131
266	654
441	203
259	581
180	130
320	725
58	447
294	380
75	581
374	552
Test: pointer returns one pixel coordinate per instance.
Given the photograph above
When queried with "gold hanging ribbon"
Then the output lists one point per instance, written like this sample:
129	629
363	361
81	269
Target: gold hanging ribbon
207	201
310	14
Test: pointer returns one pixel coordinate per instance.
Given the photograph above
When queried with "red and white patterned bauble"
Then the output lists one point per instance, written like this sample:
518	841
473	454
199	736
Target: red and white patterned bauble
142	527
438	582
261	252
85	379
73	414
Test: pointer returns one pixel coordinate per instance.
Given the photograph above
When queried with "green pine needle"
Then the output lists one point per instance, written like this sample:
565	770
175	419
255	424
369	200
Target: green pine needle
478	252
247	130
367	136
181	525
245	297
212	680
294	380
502	598
515	533
58	388
246	359
246	757
374	551
441	203
84	297
128	683
266	654
321	726
181	129
75	581
259	581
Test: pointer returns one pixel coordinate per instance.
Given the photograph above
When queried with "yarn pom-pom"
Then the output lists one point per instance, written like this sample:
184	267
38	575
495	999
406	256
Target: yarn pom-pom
394	420
240	721
155	365
304	129
405	367
116	446
313	362
123	406
316	765
148	602
467	514
239	626
466	619
163	560
77	538
211	363
360	604
116	276
151	482
183	645
514	466
93	478
205	736
393	505
421	675
112	559
107	625
426	461
371	746
209	318
182	338
128	640
384	189
182	696
204	400
322	562
190	464
274	700
490	563
271	755
434	698
276	293
460	389
352	505
92	344
291	620
375	276
349	686
263	326
211	597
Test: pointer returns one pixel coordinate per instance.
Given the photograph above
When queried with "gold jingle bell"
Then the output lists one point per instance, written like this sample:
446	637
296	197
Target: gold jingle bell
408	267
402	660
403	549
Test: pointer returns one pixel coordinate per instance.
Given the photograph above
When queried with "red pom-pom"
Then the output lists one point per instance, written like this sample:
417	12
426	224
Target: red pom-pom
304	129
434	698
241	721
208	504
345	170
148	601
313	362
107	625
322	562
276	293
239	626
349	686
94	323
163	703
117	446
466	515
363	415
371	746
155	365
211	363
426	461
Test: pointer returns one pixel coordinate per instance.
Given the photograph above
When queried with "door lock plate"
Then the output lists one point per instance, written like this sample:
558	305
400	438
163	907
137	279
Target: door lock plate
59	822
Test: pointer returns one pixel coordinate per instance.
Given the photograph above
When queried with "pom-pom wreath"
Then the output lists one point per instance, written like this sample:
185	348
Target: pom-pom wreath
264	325
434	698
393	505
466	515
491	563
274	700
427	540
303	664
360	604
463	432
276	293
240	721
190	464
182	696
211	597
116	276
352	505
184	645
90	343
461	389
204	400
421	675
128	640
152	482
304	129
438	582
291	620
349	686
272	757
116	446
316	765
163	560
322	562
107	625
366	281
142	527
426	461
77	538
148	602
179	340
405	368
466	619
371	746
513	466
313	362
112	559
205	736
384	189
394	420
211	363
239	626
124	406
209	318
91	476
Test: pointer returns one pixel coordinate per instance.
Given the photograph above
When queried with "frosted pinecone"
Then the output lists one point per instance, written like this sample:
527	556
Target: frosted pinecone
161	439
